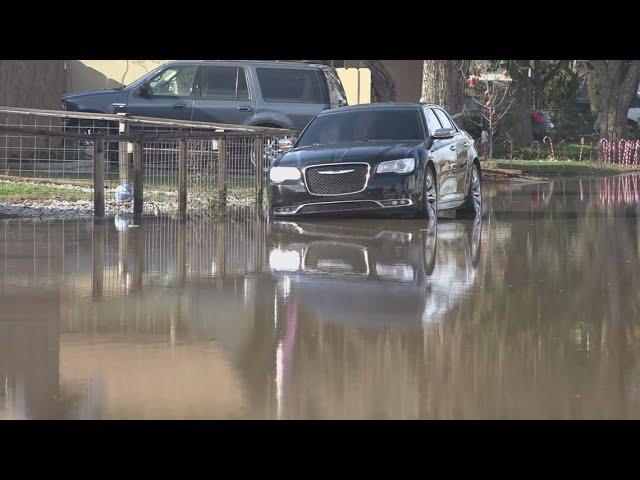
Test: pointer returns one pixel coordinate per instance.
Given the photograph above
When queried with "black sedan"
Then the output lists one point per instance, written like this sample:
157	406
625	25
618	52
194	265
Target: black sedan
408	159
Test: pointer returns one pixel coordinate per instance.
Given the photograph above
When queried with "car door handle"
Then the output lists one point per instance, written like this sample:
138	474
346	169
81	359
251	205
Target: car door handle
179	106
452	147
245	109
466	145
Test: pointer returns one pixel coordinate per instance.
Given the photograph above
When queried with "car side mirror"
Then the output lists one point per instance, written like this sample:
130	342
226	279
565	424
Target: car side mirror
443	133
285	144
145	90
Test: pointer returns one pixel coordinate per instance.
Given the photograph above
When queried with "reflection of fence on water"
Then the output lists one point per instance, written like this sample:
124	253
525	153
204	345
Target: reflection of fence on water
165	250
619	190
106	260
230	247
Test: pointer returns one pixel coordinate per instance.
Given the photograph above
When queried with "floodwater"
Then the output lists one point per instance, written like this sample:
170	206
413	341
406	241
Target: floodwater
532	312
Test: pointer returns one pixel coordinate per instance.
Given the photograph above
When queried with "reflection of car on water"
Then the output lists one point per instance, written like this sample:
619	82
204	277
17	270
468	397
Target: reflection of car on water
376	273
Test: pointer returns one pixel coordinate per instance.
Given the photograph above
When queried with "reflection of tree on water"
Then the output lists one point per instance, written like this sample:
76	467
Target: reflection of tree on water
549	331
119	297
574	307
537	320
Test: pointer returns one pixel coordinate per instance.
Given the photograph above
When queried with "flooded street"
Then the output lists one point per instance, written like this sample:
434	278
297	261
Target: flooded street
531	312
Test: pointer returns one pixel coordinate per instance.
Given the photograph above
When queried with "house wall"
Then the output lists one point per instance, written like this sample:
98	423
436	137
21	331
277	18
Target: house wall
97	74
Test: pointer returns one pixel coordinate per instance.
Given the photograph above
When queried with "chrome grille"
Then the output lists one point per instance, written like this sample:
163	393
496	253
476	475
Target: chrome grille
337	179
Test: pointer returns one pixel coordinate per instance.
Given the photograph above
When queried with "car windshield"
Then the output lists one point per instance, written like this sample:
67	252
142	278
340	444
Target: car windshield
363	126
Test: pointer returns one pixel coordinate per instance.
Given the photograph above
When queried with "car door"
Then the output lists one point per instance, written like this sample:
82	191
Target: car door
169	94
292	94
445	158
223	95
460	145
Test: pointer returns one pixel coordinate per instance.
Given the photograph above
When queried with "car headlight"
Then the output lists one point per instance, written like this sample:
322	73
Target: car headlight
281	174
403	165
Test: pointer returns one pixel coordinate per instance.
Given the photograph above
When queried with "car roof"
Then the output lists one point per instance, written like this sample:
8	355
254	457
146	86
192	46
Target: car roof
258	63
379	106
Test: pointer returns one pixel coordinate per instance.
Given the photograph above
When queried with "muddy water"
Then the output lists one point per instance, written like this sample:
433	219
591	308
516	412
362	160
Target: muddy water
531	312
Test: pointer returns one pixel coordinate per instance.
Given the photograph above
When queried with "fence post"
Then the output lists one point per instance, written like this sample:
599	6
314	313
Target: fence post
123	153
259	146
182	178
138	179
98	178
222	172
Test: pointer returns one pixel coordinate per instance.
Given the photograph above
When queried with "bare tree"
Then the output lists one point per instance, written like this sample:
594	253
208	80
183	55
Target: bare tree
443	83
616	83
492	96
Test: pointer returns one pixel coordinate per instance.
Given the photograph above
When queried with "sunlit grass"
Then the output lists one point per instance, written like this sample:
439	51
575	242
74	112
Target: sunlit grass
18	192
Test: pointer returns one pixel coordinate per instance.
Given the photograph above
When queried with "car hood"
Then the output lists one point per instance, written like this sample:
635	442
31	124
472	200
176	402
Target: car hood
373	152
90	93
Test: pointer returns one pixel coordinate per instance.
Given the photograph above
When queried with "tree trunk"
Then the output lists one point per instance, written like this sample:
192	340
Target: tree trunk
383	87
521	129
617	82
443	83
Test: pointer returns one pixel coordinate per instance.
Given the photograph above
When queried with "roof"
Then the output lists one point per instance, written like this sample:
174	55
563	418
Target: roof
261	63
380	106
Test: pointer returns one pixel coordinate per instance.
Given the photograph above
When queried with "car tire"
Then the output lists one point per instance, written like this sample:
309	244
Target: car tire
472	206
429	200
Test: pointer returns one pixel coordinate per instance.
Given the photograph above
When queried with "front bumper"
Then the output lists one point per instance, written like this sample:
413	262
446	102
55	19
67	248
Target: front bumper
388	194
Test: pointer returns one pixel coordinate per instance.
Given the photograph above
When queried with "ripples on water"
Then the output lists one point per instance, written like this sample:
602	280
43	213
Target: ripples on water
530	312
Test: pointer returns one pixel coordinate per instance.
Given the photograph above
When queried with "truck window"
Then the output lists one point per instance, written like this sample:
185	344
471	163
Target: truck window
224	83
292	85
174	81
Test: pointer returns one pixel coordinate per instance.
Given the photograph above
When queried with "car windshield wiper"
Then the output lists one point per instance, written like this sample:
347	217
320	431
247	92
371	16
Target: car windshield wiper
365	139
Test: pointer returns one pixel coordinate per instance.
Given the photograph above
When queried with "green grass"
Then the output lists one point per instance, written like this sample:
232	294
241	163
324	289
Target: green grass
17	192
560	167
562	151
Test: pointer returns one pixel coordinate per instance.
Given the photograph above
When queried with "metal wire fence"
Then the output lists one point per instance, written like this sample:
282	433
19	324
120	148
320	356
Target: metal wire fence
59	146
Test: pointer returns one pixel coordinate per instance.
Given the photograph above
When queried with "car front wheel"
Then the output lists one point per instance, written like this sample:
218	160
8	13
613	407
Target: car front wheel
430	198
472	206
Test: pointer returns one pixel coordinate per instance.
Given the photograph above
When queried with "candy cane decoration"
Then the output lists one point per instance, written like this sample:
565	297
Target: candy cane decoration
550	142
581	148
602	146
624	151
628	151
